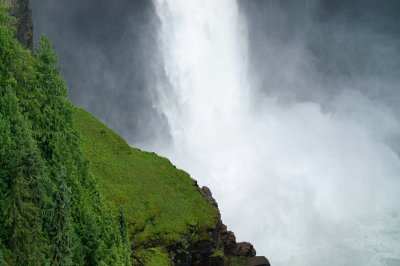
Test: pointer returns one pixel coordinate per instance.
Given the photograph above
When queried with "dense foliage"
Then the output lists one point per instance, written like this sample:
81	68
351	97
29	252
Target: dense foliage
51	212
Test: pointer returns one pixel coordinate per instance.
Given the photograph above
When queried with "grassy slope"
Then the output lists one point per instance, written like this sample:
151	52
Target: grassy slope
159	200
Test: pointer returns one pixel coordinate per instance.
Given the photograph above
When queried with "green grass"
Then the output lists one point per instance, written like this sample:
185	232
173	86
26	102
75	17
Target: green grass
154	257
235	261
160	201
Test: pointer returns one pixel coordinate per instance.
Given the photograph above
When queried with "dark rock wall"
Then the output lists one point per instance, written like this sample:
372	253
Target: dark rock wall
223	240
228	244
21	10
217	249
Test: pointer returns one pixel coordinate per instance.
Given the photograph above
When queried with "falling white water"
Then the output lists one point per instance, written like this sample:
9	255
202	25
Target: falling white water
304	186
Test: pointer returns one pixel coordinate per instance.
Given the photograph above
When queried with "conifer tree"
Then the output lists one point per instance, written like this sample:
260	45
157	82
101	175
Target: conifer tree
60	146
123	230
62	223
50	210
20	163
3	252
21	167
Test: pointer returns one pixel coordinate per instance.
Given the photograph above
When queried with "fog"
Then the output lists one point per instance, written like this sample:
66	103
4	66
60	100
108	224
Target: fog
287	110
108	53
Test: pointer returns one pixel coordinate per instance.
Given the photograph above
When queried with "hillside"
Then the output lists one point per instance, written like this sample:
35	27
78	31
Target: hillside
161	202
170	219
73	192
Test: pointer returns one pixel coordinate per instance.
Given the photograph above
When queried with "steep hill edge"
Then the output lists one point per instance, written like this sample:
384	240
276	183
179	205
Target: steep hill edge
170	218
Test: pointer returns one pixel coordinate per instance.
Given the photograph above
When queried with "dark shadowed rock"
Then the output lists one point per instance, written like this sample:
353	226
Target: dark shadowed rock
257	261
220	246
245	249
207	193
21	10
228	240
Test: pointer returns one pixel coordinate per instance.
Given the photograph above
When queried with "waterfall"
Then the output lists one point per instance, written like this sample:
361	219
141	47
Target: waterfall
293	180
204	55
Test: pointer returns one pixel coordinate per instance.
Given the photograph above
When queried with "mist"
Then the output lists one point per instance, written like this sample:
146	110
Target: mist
109	57
287	110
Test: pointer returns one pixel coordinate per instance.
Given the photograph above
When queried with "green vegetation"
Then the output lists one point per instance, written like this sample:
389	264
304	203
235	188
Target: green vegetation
161	202
50	209
153	257
235	261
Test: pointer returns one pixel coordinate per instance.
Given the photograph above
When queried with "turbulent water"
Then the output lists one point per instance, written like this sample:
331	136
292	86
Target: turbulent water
305	186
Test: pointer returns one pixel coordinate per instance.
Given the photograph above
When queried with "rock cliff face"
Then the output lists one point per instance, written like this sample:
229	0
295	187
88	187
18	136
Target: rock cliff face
21	10
228	244
227	238
221	249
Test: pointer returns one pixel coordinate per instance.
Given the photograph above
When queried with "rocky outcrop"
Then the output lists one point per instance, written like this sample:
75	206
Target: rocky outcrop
21	10
229	245
257	261
218	249
244	249
207	193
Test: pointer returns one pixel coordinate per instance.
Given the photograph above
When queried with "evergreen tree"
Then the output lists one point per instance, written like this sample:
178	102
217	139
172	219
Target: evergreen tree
60	145
24	220
21	169
3	252
123	230
62	223
50	208
20	163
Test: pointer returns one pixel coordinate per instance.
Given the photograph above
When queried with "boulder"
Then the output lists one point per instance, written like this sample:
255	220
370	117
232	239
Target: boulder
257	261
245	249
